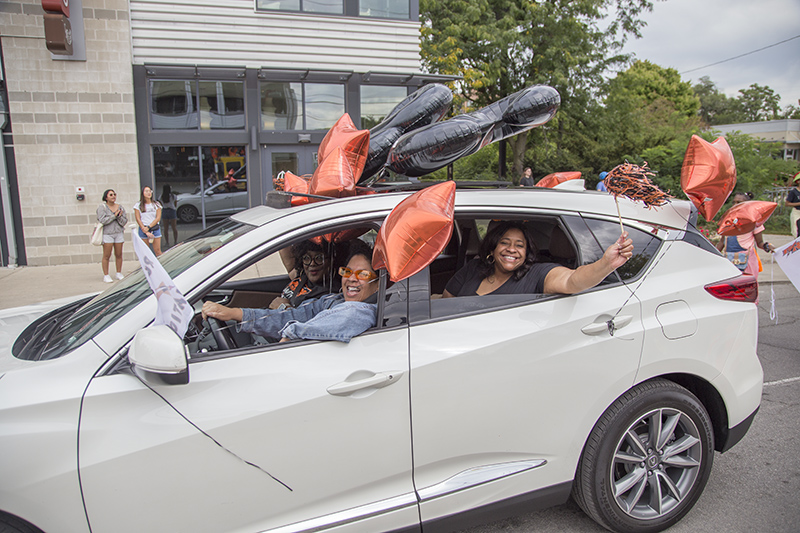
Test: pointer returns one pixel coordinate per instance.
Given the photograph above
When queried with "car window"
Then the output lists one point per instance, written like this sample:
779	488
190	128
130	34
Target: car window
265	284
567	240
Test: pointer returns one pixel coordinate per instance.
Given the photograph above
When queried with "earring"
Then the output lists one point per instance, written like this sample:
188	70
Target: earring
490	259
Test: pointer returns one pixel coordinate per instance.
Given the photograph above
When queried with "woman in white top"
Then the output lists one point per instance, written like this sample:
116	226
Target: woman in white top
148	215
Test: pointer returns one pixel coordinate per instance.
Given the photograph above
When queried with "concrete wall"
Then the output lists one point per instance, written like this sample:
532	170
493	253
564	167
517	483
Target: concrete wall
73	125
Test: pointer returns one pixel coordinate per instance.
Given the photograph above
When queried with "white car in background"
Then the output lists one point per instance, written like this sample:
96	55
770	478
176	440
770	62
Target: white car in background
217	201
445	413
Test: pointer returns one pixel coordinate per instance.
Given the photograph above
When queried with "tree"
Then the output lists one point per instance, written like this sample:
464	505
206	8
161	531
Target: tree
715	107
647	106
759	103
501	46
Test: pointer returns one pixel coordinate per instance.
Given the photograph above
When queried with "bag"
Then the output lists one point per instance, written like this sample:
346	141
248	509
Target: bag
97	235
155	228
738	258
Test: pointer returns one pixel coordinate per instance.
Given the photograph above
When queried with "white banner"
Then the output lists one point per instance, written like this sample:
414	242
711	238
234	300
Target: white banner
173	309
788	258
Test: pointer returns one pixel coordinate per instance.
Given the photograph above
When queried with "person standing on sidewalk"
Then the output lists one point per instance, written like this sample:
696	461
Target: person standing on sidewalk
113	218
741	249
148	215
527	178
793	201
169	214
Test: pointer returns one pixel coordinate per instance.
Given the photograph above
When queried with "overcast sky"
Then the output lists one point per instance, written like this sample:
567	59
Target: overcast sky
688	34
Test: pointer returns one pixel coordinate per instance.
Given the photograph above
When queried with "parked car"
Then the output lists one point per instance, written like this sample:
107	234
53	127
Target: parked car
447	412
221	200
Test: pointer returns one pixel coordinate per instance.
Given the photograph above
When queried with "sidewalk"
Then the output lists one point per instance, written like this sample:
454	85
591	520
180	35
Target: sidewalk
28	285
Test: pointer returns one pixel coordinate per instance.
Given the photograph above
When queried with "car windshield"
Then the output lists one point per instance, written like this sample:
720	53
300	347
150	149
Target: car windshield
107	307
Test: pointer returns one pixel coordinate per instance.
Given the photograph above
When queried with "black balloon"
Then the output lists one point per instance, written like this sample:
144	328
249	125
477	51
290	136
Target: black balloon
424	106
432	147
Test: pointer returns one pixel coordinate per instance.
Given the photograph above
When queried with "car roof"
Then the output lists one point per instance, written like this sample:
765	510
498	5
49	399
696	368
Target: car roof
675	214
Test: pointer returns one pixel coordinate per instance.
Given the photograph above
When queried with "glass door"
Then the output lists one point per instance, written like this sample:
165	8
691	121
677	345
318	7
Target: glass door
300	160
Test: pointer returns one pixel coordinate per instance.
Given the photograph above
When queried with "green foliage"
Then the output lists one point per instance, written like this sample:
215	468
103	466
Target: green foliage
759	103
715	106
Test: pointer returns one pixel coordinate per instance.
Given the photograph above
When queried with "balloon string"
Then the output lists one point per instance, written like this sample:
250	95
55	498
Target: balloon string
773	311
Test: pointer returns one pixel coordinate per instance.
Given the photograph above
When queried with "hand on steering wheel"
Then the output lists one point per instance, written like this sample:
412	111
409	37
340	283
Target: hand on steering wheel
222	334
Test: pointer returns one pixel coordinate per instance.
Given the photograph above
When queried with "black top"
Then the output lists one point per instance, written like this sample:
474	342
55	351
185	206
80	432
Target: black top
467	280
794	197
527	181
301	289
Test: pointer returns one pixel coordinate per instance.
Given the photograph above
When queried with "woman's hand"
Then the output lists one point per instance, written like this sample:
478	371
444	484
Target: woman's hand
277	302
220	312
618	253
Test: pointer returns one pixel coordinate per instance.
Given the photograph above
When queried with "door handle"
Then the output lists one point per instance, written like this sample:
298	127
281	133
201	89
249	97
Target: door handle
610	326
357	381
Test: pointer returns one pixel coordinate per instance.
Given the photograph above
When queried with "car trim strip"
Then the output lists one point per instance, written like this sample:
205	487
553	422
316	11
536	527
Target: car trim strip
348	516
478	475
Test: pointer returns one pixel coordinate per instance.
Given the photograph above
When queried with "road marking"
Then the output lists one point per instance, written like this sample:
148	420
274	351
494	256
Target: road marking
782	381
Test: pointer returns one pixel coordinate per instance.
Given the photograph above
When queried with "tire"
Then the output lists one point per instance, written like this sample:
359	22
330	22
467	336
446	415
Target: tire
630	481
12	524
188	213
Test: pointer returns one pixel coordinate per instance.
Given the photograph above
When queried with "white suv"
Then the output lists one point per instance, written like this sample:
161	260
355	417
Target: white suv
446	412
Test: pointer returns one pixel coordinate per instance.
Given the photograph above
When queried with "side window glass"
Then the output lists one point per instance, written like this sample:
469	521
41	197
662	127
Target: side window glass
645	245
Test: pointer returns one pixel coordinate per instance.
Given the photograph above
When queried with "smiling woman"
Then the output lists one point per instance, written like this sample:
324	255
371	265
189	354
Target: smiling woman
337	317
507	264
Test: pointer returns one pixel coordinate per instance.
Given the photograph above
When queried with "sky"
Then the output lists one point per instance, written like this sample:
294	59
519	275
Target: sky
688	34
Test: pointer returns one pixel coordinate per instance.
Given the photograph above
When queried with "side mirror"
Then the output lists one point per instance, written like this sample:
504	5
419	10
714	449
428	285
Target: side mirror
157	353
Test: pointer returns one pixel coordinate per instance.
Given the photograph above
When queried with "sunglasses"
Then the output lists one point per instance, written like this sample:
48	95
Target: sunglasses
317	259
363	275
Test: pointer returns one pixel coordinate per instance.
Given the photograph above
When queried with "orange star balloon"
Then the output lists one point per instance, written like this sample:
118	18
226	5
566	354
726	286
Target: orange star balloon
294	183
551	180
354	143
708	174
334	176
416	231
744	217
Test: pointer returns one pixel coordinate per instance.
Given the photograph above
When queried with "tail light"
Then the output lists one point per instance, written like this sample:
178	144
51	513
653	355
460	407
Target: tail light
738	289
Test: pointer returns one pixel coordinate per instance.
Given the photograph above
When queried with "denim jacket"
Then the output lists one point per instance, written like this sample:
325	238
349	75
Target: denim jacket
326	318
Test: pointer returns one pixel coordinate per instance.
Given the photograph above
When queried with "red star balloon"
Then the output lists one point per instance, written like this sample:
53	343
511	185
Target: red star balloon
744	217
334	176
708	174
416	231
294	183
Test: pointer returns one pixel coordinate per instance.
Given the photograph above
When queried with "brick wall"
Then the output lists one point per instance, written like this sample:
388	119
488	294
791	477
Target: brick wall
73	125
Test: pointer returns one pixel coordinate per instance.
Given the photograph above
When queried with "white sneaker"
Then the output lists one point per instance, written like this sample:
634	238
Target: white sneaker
108	279
119	275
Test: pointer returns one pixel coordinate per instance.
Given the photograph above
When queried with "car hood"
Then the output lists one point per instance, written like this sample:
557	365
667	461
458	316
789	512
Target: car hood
14	320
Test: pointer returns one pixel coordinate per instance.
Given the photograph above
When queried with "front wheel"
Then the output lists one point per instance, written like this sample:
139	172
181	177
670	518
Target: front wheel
647	459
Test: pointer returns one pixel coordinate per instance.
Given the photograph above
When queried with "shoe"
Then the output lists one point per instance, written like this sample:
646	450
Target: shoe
119	275
108	279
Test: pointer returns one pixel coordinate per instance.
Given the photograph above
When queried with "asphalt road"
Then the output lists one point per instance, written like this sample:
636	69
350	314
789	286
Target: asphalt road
755	486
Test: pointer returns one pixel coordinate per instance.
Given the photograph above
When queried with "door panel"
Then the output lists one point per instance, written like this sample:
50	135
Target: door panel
514	393
271	415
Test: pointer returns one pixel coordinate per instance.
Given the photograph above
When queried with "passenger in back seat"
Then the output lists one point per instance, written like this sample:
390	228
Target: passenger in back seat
506	264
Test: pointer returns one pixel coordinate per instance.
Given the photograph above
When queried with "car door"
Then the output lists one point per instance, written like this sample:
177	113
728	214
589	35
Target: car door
505	390
219	201
295	435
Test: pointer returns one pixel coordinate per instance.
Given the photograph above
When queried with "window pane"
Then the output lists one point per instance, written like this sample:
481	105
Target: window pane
283	5
221	105
281	106
176	171
284	162
377	102
172	105
324	105
393	9
324	6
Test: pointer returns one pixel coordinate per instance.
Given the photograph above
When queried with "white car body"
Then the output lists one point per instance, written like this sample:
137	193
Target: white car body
481	407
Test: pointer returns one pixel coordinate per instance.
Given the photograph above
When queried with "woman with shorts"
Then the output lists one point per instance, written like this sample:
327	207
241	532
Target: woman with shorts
113	218
148	215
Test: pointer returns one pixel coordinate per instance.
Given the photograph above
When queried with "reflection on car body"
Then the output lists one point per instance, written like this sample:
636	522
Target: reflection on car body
515	399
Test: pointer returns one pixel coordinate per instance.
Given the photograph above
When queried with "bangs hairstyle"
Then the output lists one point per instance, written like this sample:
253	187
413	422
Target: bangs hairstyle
493	237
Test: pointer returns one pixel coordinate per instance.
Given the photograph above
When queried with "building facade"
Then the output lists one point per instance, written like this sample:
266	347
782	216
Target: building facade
183	94
786	132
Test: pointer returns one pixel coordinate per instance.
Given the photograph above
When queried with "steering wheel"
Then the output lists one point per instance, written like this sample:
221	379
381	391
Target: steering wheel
222	334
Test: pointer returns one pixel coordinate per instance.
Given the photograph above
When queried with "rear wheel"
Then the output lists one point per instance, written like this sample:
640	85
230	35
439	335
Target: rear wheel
647	459
188	213
12	524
